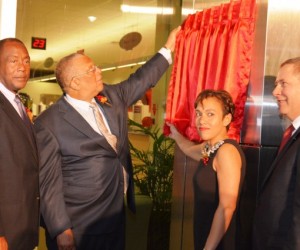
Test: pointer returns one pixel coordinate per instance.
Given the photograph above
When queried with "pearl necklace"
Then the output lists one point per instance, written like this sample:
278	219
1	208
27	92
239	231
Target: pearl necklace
207	151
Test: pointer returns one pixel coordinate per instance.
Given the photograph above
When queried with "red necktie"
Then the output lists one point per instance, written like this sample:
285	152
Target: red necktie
286	136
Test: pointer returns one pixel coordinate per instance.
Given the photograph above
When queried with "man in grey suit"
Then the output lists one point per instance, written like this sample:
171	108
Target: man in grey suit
19	183
83	175
277	217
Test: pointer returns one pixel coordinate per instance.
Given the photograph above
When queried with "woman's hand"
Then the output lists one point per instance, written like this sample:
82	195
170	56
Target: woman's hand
190	148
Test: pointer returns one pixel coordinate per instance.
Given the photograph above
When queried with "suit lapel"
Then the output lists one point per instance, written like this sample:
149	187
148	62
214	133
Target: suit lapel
280	155
17	121
70	115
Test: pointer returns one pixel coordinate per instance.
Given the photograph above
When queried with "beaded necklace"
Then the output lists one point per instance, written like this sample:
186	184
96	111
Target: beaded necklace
207	151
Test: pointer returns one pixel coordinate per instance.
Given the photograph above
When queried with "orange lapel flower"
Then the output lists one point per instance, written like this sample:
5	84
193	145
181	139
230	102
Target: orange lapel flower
103	99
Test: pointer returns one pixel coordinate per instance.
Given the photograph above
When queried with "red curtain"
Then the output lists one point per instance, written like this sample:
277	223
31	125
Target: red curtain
213	51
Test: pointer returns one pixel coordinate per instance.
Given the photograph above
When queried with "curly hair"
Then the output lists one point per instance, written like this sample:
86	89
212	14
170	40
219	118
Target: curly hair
222	95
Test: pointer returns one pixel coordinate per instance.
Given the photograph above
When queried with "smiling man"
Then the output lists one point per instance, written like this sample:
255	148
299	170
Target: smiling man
277	218
19	195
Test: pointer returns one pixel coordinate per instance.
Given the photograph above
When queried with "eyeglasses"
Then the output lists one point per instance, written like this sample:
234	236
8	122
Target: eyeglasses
92	70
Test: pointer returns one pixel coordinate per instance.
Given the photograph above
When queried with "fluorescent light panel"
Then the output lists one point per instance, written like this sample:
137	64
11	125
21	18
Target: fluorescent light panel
146	10
52	77
124	66
154	10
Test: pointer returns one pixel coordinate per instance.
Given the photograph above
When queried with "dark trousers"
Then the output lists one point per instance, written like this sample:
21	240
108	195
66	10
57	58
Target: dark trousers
108	241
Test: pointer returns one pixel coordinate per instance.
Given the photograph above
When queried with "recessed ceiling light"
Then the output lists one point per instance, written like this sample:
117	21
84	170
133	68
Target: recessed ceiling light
92	18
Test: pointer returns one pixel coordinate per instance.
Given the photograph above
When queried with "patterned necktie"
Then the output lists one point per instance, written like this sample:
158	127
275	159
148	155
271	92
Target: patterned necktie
23	113
21	107
112	139
286	136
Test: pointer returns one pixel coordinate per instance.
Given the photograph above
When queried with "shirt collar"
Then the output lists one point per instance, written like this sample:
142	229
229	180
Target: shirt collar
296	123
78	103
7	93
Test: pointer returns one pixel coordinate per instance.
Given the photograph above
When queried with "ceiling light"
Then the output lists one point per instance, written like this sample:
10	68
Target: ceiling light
107	69
146	10
92	18
186	12
126	65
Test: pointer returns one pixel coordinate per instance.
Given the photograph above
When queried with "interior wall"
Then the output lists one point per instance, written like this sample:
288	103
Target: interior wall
283	34
36	89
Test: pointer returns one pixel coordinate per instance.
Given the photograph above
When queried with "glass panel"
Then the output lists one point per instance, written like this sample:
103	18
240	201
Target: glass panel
67	28
52	29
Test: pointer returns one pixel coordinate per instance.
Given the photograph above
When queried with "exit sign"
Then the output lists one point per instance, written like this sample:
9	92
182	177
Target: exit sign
38	43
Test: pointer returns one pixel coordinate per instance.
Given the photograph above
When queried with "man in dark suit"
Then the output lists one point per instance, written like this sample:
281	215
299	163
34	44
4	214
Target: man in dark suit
85	173
277	218
19	183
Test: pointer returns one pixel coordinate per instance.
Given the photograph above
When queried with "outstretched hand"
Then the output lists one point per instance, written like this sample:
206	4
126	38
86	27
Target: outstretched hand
170	44
174	134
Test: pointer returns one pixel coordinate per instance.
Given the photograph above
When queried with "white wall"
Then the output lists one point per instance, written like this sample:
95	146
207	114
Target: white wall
35	89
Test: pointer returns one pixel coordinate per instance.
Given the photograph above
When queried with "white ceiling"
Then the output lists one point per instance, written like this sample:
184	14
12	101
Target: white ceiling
65	25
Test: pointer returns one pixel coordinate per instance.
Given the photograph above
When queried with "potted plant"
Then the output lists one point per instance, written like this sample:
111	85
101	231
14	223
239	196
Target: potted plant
153	176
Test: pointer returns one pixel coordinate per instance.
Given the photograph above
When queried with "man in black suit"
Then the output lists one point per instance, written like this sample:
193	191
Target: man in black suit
277	218
83	175
19	183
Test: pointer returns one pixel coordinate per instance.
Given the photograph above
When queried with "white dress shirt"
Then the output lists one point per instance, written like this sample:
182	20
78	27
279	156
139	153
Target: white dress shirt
84	109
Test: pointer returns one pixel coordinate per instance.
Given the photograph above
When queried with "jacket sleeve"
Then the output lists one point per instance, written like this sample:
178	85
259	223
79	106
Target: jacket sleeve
146	77
53	207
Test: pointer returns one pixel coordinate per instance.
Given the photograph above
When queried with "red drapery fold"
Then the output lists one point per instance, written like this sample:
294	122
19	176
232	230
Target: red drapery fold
213	51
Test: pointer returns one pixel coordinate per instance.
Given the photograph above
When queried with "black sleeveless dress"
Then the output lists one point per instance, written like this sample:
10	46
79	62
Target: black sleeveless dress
206	200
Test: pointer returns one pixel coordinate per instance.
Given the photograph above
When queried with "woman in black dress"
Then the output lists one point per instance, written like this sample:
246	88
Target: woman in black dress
220	174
